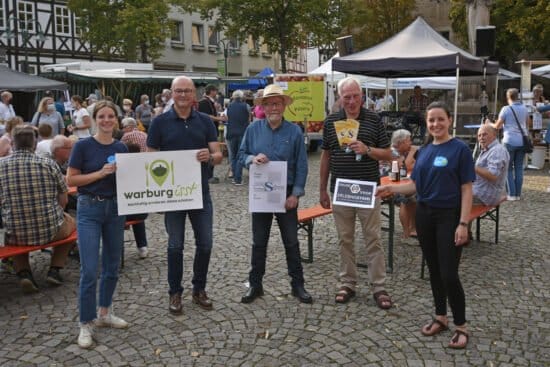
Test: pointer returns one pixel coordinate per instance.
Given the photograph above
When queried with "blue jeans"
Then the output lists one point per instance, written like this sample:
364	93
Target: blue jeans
139	229
201	221
98	221
261	227
236	166
515	169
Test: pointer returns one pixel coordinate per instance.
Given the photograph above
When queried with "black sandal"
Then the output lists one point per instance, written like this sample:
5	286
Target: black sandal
435	322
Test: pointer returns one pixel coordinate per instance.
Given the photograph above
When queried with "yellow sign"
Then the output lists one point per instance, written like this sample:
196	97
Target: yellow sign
308	94
346	131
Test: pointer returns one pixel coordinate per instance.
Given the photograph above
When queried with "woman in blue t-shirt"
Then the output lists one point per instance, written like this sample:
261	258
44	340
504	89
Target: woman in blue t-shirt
92	169
442	179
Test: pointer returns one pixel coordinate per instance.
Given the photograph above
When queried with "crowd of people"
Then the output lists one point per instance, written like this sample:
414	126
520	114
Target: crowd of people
40	162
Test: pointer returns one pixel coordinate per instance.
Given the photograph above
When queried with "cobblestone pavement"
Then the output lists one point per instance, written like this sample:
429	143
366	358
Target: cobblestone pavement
507	294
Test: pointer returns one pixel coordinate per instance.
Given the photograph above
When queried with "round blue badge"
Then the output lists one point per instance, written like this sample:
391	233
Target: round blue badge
111	159
440	161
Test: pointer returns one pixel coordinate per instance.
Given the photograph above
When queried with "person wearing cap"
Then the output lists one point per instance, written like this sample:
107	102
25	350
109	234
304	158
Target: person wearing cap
276	139
361	163
183	128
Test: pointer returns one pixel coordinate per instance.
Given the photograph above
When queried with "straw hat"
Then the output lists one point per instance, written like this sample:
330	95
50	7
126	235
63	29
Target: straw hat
273	90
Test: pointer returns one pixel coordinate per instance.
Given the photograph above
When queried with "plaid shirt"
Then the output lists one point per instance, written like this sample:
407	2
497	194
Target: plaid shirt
136	137
418	104
495	159
29	189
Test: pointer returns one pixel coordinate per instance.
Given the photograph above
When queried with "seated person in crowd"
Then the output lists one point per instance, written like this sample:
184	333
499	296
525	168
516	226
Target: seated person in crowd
33	193
491	168
60	151
402	144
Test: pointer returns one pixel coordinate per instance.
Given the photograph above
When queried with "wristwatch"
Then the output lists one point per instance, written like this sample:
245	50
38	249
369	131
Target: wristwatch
368	149
463	224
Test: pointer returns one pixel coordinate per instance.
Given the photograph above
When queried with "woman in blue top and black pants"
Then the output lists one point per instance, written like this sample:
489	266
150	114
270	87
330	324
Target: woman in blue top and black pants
92	169
442	178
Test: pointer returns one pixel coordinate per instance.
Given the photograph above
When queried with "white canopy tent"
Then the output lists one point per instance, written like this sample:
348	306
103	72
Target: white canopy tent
543	71
416	51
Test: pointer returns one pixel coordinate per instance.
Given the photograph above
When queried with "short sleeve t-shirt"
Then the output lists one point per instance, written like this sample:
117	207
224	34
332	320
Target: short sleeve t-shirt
88	156
440	171
79	121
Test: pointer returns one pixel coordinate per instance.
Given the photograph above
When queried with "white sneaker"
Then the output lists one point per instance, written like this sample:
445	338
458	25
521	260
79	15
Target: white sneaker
143	252
110	320
511	198
85	338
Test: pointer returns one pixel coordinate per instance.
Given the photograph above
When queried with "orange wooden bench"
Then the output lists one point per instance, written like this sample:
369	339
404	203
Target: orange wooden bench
478	212
306	219
14	250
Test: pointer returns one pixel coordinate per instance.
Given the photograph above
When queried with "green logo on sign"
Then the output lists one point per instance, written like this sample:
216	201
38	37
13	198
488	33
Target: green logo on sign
159	171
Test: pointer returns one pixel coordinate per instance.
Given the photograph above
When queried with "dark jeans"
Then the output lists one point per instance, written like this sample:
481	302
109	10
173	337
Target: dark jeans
139	229
415	118
436	230
261	227
236	166
201	221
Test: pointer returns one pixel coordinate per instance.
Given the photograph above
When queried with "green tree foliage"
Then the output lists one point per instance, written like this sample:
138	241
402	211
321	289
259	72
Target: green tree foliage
522	27
457	15
373	21
283	25
126	28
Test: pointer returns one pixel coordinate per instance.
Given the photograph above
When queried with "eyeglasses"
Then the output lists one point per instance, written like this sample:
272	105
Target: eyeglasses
183	91
273	105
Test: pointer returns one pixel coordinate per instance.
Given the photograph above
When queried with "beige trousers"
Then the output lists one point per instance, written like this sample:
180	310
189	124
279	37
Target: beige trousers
344	218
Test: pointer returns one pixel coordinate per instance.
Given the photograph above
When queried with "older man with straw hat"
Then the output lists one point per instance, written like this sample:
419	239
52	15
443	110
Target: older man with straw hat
275	139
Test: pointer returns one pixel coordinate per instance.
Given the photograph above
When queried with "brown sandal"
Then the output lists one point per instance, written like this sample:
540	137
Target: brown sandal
344	295
383	300
456	337
439	327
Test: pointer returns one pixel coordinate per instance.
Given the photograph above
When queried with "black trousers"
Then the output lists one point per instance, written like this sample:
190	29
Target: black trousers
261	228
436	230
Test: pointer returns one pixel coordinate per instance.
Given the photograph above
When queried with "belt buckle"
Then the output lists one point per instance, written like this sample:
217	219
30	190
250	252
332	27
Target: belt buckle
99	198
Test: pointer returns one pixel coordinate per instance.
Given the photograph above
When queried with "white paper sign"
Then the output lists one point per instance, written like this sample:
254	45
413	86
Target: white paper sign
158	182
267	187
354	193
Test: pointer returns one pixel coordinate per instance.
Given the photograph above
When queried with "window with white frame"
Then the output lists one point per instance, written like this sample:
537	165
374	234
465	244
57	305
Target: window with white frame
78	30
176	31
25	12
197	34
62	20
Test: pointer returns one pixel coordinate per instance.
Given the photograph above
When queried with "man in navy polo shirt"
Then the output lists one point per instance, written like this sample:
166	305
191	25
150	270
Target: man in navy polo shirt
182	128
